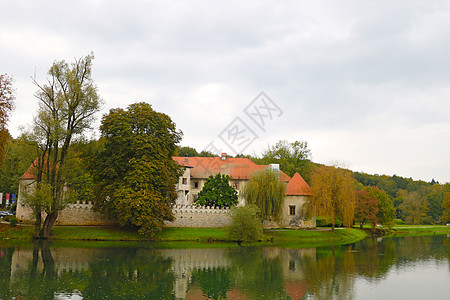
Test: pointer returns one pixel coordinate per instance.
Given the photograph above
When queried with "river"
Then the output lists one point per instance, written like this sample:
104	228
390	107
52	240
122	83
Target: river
388	268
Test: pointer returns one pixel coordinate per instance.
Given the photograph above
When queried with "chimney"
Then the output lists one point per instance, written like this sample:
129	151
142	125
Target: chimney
186	159
224	156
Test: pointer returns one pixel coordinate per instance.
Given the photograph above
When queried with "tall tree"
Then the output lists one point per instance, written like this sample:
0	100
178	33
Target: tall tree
446	208
267	192
292	157
67	104
415	207
7	97
332	195
217	192
366	209
386	210
134	174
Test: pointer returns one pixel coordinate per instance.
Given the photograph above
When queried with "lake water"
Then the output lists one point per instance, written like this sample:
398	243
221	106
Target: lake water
390	268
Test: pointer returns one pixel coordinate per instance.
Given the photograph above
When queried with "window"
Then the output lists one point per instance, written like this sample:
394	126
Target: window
236	185
184	181
292	210
195	184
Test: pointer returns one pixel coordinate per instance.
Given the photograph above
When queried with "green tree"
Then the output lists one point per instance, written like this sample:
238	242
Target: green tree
246	224
67	104
217	192
332	195
386	210
366	209
446	208
414	207
134	174
267	192
292	157
19	155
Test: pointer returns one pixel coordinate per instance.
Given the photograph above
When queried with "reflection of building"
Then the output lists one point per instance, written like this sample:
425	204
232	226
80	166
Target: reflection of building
186	261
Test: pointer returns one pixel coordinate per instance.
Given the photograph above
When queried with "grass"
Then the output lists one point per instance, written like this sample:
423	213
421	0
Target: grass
207	237
416	230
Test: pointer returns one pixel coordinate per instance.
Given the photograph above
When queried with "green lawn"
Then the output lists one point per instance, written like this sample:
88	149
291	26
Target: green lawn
172	237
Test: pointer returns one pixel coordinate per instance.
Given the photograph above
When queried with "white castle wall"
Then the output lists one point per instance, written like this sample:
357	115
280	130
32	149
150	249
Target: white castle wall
194	216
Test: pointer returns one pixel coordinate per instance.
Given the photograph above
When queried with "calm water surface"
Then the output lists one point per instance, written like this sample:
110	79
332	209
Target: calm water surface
391	268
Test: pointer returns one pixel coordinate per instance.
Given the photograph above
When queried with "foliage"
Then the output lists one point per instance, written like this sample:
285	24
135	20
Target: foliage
246	224
386	210
7	97
67	104
446	208
415	207
267	192
217	192
214	282
292	157
366	209
191	152
19	155
332	195
13	221
134	174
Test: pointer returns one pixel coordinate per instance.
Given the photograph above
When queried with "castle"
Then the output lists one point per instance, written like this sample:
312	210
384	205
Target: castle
187	214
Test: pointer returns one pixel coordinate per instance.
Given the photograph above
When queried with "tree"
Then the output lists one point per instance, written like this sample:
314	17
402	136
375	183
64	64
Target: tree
267	192
332	195
446	208
292	157
7	97
217	192
386	210
245	225
134	175
366	209
67	104
414	207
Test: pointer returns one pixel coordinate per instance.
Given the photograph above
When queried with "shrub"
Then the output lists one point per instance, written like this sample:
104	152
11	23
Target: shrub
246	224
12	221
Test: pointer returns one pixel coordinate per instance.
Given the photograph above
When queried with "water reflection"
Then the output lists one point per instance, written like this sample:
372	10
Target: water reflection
39	271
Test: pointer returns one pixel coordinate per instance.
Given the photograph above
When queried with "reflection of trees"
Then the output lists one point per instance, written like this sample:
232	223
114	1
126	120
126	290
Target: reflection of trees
5	272
259	277
214	282
130	274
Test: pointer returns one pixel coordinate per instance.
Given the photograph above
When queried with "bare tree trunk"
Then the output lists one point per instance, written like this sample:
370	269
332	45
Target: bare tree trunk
48	224
37	224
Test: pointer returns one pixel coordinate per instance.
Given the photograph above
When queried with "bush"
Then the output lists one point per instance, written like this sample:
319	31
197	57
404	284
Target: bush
399	222
246	224
12	221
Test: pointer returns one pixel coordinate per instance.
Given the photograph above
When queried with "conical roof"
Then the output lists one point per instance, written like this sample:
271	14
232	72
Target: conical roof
297	186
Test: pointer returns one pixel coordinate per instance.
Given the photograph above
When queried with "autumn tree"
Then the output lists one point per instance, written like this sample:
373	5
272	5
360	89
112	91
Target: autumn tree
366	209
7	97
67	104
217	192
134	175
332	195
267	192
386	210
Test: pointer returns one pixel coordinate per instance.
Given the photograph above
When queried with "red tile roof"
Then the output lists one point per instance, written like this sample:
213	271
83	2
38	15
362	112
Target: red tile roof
236	168
29	173
297	186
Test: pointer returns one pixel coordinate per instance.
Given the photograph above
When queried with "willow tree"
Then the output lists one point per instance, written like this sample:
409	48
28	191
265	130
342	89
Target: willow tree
332	195
67	104
266	191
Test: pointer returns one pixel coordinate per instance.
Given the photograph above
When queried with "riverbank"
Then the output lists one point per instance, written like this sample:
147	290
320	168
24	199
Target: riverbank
279	237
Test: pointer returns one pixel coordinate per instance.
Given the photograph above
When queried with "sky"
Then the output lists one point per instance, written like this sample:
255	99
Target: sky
364	83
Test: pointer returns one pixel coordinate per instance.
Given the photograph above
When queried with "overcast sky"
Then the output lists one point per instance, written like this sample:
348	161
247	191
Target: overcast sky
366	83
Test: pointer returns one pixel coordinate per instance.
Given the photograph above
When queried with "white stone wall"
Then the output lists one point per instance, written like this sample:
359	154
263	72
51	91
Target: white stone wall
193	216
